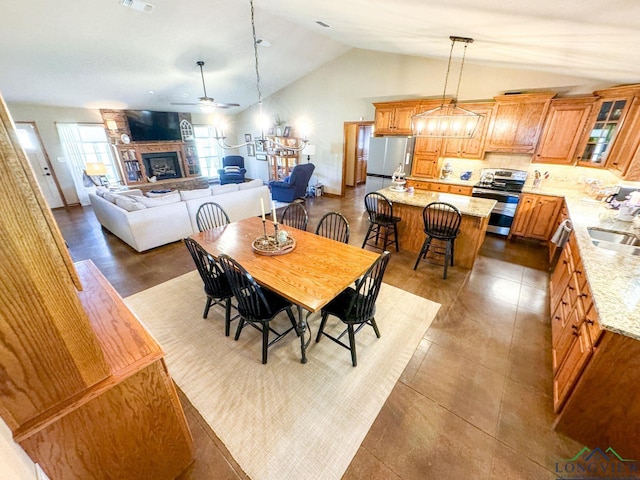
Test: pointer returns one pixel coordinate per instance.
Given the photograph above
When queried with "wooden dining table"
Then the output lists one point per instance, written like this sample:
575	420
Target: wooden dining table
310	275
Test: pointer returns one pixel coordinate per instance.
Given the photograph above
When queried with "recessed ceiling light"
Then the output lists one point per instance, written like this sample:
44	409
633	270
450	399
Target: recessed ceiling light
263	42
151	92
137	5
322	24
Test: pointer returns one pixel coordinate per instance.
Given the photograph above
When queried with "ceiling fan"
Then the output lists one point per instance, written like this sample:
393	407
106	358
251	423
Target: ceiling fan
206	101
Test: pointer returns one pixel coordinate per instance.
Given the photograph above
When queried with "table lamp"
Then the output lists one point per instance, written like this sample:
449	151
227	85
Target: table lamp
309	150
97	169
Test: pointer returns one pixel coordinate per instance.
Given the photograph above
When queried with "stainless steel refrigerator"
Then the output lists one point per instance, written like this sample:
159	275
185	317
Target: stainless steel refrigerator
385	155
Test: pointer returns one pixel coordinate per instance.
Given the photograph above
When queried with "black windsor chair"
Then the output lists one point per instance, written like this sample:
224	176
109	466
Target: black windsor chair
257	305
215	282
356	306
333	225
211	215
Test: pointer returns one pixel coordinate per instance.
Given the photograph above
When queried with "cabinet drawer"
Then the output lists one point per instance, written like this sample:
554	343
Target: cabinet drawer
419	185
573	289
582	278
439	187
593	326
568	374
566	338
460	190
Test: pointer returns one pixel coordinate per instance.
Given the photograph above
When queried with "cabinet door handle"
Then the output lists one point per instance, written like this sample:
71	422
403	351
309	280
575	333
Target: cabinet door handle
584	295
576	333
589	321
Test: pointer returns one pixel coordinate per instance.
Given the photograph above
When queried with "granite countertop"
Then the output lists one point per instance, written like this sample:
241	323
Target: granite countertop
475	207
614	277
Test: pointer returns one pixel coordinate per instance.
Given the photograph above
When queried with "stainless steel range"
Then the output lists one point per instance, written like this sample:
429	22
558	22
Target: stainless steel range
503	185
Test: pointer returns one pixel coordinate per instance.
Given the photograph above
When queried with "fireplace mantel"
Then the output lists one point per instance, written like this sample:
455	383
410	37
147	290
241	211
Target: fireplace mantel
130	154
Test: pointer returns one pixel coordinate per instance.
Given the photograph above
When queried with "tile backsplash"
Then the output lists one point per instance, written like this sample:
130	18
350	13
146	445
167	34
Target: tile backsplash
560	176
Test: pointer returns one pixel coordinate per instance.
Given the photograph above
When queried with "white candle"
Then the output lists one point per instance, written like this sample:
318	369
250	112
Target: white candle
262	206
273	212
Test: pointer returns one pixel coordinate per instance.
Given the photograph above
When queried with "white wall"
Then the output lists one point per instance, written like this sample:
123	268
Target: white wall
14	462
343	90
45	119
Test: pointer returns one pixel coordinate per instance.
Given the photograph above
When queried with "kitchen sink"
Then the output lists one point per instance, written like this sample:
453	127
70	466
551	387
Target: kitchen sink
619	242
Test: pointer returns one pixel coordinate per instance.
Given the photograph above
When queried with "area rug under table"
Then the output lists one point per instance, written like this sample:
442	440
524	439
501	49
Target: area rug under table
283	420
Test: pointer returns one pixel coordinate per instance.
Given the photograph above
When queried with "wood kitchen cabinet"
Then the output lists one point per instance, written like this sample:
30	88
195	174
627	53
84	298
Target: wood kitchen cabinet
563	129
516	122
573	332
607	117
624	158
536	216
470	147
394	118
596	371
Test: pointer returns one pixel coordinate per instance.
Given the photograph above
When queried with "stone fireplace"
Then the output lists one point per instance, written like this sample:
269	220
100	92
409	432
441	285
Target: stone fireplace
162	165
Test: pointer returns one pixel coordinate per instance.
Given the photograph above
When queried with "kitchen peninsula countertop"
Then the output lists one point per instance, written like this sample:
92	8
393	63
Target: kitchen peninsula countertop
472	206
614	277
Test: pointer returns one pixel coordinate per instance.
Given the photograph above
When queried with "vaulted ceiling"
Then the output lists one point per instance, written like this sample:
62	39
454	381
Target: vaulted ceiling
100	54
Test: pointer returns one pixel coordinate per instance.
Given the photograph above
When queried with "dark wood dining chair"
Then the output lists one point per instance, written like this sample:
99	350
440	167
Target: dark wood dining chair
356	307
295	215
211	215
381	220
335	226
441	222
216	286
257	305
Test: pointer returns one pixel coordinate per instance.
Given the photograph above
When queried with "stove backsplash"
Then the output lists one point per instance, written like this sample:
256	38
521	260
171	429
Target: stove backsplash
559	176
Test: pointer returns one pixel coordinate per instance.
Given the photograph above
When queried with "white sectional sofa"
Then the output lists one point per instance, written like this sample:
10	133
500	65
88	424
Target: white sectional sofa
148	222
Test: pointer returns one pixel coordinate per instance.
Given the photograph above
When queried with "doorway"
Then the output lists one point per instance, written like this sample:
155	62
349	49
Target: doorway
39	160
356	153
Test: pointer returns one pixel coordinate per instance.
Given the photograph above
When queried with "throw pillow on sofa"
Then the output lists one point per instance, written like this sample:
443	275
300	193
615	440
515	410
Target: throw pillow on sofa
129	204
191	194
159	201
232	169
110	196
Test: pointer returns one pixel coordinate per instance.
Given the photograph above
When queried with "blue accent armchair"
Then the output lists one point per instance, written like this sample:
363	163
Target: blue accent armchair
294	186
232	170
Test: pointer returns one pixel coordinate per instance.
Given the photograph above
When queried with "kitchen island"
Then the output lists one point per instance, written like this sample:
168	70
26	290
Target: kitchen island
473	227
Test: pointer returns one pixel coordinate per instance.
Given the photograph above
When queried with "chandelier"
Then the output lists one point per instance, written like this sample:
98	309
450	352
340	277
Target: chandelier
265	143
447	121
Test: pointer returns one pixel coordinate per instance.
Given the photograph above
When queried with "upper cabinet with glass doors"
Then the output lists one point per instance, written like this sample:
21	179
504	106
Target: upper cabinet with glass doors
607	118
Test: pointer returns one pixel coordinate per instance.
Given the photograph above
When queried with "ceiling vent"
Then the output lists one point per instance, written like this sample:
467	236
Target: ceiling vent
137	5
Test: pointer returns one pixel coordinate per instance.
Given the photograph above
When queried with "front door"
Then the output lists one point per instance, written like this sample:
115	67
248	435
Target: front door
30	141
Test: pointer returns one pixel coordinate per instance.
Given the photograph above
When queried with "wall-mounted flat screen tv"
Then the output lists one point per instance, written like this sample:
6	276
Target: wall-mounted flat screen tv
146	125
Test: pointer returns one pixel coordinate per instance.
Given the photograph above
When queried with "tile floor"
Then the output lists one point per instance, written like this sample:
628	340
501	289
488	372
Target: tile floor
475	399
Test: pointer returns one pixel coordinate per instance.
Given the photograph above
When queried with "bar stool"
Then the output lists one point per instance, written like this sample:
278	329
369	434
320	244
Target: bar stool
442	222
380	211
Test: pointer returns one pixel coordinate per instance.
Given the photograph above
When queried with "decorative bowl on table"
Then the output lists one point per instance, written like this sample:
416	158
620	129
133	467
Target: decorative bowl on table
269	245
